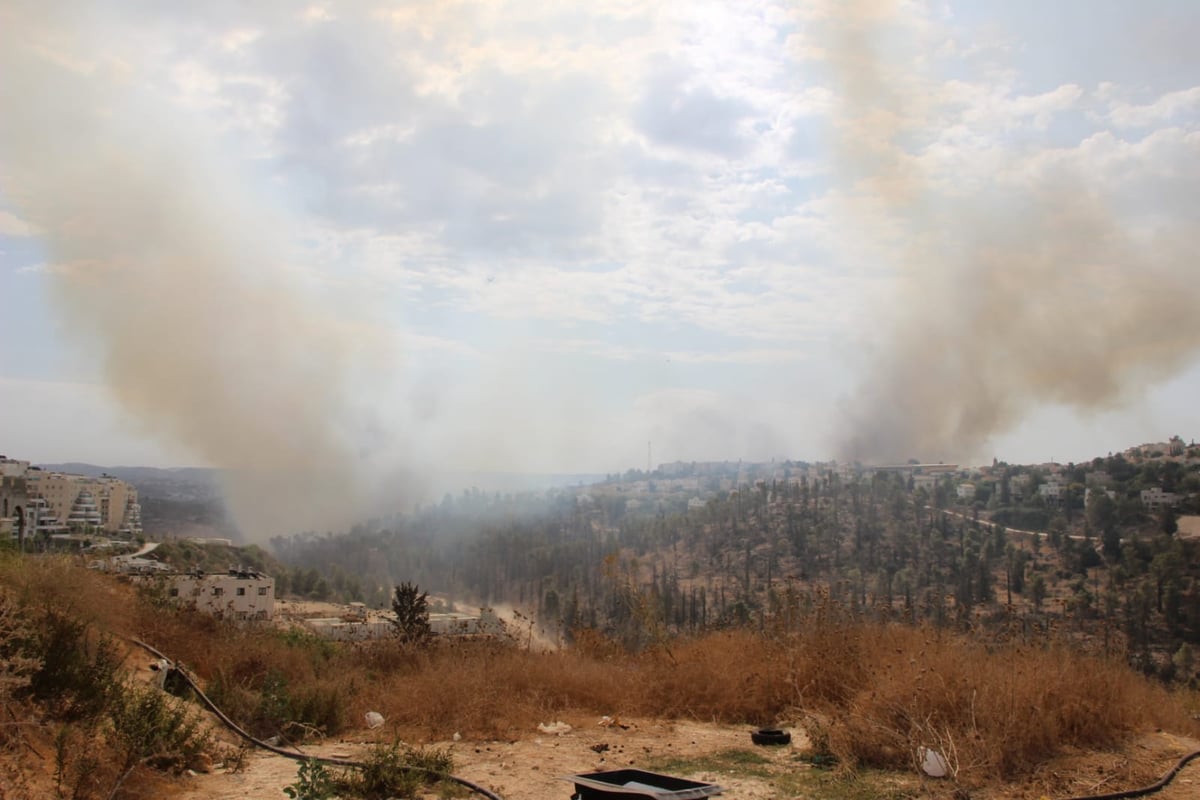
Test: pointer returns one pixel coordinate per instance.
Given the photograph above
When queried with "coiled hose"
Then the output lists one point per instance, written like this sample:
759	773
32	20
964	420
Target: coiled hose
338	762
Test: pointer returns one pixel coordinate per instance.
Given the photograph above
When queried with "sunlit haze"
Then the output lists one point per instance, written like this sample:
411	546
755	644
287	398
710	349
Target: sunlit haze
359	244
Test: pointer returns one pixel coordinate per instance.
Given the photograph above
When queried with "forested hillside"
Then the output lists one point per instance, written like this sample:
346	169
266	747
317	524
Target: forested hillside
757	555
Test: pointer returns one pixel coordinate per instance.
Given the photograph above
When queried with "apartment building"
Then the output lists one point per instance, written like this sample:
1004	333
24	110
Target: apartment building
81	503
237	594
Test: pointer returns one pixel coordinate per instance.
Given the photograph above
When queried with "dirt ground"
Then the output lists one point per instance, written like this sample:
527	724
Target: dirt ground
532	766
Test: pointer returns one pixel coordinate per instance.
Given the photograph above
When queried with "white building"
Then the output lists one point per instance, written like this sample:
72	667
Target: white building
1052	490
1155	499
926	482
965	491
237	594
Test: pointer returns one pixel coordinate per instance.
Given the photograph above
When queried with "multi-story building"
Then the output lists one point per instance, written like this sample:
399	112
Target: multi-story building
81	503
927	482
1155	499
1052	490
237	594
13	495
1018	485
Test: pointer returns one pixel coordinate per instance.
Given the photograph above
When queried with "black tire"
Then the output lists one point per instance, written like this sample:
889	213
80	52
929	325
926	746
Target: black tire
770	736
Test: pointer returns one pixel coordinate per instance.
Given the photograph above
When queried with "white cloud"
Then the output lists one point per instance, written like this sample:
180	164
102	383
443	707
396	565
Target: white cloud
1165	109
12	225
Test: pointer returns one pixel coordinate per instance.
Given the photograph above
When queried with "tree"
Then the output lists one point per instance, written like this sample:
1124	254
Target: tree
1037	590
411	607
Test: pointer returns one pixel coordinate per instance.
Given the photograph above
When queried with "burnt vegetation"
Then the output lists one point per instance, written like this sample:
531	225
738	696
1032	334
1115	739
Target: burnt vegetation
878	617
1110	576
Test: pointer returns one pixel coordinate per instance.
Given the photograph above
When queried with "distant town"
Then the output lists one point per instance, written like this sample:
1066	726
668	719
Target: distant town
44	507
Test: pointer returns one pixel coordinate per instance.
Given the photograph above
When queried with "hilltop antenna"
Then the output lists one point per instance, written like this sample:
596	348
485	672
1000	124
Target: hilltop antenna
647	457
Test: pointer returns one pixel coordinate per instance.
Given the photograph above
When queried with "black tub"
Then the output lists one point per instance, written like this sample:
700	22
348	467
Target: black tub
637	784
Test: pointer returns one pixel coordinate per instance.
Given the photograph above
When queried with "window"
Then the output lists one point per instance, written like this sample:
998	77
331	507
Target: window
218	591
174	593
262	590
241	592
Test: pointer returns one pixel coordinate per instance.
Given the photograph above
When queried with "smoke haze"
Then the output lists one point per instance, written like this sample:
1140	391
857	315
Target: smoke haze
350	252
178	282
1024	290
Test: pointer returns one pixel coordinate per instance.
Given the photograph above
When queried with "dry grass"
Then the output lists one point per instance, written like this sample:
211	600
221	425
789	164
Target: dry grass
871	694
875	694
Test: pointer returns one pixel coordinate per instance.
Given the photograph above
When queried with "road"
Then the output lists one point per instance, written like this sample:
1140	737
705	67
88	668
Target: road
148	547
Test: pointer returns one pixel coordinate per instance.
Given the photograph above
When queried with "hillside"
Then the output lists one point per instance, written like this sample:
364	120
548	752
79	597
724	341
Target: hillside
1114	574
1016	719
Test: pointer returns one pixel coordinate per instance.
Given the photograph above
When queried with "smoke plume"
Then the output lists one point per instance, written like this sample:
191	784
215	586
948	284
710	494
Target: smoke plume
169	272
1036	286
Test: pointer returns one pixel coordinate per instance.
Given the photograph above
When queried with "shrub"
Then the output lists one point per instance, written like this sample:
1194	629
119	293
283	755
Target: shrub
18	660
313	782
148	723
78	673
399	770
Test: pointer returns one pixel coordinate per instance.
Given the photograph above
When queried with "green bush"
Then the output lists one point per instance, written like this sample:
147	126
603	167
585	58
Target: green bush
399	770
269	706
313	782
150	724
78	675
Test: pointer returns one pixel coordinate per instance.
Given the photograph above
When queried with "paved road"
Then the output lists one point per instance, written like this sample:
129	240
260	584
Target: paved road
146	548
1076	536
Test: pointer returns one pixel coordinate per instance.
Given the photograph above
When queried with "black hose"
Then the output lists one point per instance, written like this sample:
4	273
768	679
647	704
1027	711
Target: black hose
1144	790
338	762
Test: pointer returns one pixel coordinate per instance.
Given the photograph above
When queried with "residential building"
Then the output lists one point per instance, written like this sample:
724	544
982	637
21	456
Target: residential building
926	482
965	491
81	503
1018	485
13	494
1052	490
1155	499
237	594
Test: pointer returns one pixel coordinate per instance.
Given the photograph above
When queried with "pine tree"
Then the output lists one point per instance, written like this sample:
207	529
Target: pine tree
411	607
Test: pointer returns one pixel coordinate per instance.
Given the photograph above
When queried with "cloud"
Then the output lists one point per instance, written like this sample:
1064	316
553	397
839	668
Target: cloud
1169	107
12	225
691	117
503	190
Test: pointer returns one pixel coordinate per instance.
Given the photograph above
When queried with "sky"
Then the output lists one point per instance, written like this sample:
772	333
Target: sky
393	238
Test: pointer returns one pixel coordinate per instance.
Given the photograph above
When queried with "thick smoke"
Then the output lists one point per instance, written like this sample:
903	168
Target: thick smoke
1037	286
170	273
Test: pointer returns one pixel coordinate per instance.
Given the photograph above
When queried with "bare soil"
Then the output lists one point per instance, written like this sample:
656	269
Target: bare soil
532	767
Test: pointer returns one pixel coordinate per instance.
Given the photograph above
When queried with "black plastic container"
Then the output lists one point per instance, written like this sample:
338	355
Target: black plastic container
637	784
